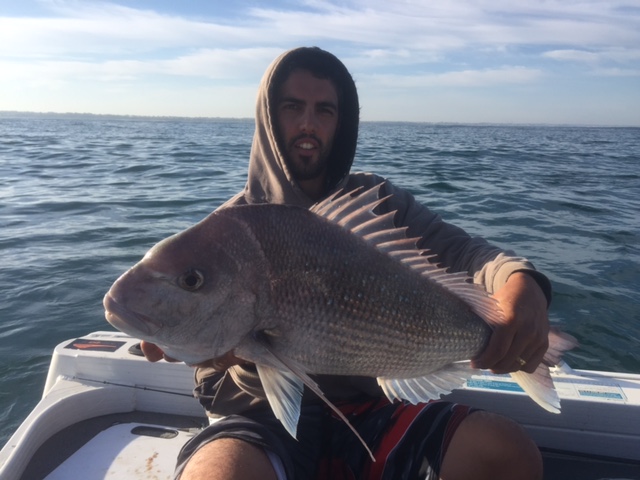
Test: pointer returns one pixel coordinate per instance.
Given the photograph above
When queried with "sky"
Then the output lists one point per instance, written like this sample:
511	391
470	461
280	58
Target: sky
467	61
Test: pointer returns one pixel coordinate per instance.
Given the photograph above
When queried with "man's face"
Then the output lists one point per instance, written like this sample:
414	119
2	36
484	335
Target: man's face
307	116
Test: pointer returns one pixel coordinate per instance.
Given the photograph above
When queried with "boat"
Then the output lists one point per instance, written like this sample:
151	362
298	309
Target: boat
106	412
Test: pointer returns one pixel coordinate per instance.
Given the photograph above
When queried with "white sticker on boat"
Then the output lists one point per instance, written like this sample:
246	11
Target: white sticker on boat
602	392
590	390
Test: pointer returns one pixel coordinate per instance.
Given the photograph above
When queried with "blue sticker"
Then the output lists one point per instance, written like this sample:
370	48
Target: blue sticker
494	385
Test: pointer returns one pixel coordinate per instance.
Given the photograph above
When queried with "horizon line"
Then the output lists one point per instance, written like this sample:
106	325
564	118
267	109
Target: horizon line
7	113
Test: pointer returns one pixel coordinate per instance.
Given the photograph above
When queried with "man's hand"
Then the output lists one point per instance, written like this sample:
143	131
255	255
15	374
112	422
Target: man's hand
524	335
153	353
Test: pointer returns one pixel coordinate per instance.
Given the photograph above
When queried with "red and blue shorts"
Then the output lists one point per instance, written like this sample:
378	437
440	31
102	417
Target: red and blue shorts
407	440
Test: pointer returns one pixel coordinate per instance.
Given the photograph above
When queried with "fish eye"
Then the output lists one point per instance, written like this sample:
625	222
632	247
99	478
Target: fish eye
191	280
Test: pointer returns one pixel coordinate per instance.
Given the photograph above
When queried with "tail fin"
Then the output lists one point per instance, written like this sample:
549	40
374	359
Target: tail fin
559	342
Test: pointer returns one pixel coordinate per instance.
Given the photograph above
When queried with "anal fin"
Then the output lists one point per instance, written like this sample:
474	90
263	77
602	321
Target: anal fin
428	387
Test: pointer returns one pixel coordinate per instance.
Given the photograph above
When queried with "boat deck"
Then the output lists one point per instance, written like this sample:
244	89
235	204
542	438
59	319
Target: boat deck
61	448
165	433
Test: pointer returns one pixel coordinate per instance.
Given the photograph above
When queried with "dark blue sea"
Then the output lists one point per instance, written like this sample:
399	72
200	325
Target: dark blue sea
82	198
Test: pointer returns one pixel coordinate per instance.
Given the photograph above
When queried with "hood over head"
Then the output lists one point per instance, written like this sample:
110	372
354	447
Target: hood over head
269	178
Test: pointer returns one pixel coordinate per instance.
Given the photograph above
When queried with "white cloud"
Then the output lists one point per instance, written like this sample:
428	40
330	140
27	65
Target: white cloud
241	66
108	29
617	55
222	64
427	25
464	78
573	56
618	72
81	28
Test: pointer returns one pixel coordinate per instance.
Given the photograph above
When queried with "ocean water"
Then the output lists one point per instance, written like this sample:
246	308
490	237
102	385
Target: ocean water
83	198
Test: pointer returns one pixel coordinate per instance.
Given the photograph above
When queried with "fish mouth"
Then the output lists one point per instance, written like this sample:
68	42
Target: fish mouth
128	321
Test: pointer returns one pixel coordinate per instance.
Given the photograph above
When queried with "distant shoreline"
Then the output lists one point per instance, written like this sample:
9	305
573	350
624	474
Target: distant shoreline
107	116
161	118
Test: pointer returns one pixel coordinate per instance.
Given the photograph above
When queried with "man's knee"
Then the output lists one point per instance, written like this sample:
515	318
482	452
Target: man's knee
228	459
487	445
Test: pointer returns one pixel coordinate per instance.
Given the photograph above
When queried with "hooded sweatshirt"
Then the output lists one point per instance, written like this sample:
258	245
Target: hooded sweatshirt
238	389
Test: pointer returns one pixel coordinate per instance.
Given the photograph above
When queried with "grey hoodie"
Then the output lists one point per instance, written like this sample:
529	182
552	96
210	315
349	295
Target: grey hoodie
269	181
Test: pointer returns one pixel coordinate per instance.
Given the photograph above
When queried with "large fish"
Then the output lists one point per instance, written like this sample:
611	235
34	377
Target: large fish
332	290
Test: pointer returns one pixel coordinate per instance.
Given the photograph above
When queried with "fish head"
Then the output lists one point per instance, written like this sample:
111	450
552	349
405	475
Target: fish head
193	294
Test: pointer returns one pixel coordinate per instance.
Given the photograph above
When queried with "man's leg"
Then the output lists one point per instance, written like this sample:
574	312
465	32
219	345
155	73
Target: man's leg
229	459
489	446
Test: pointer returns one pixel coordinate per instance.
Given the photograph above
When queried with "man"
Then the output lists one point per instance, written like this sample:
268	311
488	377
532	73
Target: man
303	148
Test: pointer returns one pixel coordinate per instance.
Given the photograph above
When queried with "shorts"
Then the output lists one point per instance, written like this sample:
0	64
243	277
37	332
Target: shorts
407	440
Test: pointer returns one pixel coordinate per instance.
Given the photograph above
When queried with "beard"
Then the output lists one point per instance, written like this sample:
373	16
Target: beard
302	170
307	167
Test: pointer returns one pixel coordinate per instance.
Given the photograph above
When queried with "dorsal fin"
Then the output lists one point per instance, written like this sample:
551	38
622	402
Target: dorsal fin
354	211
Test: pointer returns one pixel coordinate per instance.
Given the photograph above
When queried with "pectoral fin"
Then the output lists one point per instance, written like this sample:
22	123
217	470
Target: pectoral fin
283	385
284	393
